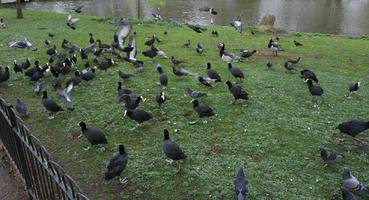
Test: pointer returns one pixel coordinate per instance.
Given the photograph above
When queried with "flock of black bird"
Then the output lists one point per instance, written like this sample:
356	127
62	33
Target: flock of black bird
65	61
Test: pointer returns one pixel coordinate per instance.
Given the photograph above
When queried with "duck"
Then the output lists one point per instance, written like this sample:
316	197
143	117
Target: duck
241	185
161	98
237	24
72	21
162	77
21	108
195	94
353	127
103	46
237	91
294	61
151	41
26	63
209	9
50	105
125	76
106	64
172	150
138	115
236	72
93	135
307	74
88	75
91	39
202	110
247	54
17	67
354	87
212	73
117	165
297	43
203	81
328	157
274	47
227	56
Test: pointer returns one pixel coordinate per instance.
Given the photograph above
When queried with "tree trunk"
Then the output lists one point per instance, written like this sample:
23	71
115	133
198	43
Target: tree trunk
19	9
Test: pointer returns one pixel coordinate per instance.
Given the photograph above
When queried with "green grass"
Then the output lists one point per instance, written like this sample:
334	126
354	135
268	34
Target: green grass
276	136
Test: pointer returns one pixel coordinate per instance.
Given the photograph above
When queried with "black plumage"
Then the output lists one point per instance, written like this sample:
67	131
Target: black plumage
51	51
241	185
307	74
315	90
21	108
17	67
151	53
187	44
297	43
176	62
47	42
26	63
247	54
177	72
132	103
212	73
162	77
289	67
88	75
237	91
236	72
151	41
347	195
106	64
171	149
138	115
294	61
195	94
50	105
161	98
269	64
354	87
215	33
122	91
125	76
353	127
50	34
202	110
4	76
93	135
56	81
203	81
328	156
117	164
75	80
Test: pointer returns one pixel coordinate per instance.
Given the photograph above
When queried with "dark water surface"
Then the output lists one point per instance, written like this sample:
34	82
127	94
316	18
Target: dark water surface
343	17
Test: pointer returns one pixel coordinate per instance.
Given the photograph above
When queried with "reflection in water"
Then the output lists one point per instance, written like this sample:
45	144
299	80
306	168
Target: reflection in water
348	17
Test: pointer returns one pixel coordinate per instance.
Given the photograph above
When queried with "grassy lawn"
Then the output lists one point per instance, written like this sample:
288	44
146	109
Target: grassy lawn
276	136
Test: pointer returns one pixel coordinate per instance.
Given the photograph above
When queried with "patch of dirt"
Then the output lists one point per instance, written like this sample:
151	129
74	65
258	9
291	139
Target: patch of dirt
10	187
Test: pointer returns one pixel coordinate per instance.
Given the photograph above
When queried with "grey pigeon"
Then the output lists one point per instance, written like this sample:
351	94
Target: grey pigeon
351	182
347	195
328	156
241	185
38	86
195	94
21	108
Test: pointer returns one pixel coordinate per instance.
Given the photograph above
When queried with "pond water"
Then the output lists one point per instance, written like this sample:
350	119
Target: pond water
343	17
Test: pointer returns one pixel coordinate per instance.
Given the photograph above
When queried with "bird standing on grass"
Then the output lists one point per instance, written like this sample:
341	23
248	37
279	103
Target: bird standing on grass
351	182
307	74
241	185
172	150
289	67
212	73
116	165
138	115
21	108
294	61
353	127
227	56
50	105
315	90
274	47
93	135
236	72
202	110
354	87
162	77
297	43
328	157
195	94
237	91
161	98
347	195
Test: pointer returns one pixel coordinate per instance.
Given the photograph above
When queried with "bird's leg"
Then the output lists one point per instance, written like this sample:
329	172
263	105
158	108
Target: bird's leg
325	165
134	128
168	161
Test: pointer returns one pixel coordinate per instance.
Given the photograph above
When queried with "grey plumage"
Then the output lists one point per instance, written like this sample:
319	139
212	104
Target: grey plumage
347	195
21	108
38	86
351	182
195	94
328	156
241	185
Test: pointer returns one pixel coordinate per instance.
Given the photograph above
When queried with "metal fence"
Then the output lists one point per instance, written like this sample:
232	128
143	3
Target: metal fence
43	177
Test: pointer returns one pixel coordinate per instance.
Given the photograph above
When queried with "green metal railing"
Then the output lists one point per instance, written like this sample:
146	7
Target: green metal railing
44	178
